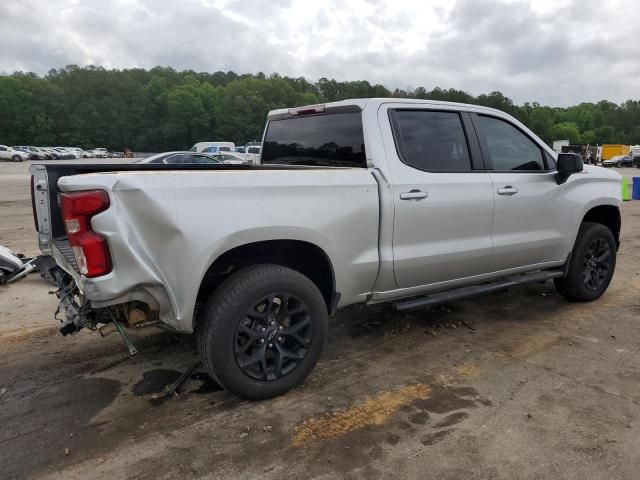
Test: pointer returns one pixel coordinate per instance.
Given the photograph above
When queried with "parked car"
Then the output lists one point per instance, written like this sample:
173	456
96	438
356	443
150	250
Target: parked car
619	161
45	153
636	161
100	152
449	201
78	152
30	155
53	153
253	153
9	153
34	152
64	153
213	147
88	154
180	158
626	161
231	158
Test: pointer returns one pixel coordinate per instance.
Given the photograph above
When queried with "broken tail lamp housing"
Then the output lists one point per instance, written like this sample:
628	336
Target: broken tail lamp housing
90	249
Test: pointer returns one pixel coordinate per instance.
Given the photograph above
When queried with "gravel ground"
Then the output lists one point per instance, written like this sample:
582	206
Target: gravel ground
518	384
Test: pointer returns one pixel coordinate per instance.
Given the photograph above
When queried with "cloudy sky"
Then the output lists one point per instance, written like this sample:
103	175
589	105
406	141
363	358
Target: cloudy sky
556	52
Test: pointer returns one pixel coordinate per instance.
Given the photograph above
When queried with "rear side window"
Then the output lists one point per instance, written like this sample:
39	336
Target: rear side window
432	141
333	140
508	147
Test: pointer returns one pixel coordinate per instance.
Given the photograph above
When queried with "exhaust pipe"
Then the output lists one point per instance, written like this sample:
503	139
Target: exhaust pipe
107	329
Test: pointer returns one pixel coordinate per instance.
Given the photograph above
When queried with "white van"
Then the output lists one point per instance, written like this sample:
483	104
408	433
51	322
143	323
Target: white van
252	153
213	147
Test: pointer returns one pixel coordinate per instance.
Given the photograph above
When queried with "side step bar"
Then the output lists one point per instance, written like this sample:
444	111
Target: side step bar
464	292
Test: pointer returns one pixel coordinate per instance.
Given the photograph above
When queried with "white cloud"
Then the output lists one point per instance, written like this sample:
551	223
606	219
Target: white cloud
558	52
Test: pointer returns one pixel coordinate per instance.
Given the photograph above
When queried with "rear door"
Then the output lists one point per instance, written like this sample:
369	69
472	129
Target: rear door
529	224
443	199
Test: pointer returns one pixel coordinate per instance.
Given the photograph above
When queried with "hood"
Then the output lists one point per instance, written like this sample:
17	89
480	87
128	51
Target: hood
601	172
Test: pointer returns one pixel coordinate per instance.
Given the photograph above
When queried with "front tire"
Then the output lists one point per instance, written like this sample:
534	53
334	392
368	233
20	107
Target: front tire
16	158
592	264
262	331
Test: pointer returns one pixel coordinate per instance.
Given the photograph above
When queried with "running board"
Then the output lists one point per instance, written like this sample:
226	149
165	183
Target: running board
464	292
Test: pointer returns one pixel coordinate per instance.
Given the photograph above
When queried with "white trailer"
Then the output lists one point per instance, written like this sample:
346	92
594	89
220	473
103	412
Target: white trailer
558	144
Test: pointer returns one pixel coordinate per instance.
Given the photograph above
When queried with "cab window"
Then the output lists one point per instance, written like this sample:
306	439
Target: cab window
507	147
431	140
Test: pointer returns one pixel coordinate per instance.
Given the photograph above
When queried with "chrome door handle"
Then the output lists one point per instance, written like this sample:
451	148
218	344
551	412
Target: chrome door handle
413	195
507	190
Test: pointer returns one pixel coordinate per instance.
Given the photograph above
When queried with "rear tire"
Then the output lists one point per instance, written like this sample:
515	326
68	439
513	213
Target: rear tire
16	158
592	264
262	331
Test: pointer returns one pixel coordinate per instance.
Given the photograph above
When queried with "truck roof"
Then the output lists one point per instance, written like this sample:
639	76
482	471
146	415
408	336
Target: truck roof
361	103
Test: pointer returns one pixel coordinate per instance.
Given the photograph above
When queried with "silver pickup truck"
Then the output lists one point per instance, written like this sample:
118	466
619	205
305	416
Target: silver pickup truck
359	201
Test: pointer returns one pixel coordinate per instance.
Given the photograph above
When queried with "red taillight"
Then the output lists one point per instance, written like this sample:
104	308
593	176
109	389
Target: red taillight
91	250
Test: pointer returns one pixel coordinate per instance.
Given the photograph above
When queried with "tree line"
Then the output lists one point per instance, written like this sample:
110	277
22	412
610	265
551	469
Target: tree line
163	109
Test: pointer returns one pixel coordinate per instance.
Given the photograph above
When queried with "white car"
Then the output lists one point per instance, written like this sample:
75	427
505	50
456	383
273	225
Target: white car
35	153
8	153
89	154
100	152
231	158
75	151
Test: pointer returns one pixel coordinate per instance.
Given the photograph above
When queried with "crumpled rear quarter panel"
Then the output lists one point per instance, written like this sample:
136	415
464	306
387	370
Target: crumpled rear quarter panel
165	229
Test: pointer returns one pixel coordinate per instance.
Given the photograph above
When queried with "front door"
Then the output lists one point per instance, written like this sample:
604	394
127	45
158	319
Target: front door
529	224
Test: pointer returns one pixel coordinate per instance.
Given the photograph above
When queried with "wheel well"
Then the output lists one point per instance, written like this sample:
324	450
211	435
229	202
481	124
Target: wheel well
305	257
607	215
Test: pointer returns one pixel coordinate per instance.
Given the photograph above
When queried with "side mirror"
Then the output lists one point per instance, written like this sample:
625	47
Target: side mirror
567	165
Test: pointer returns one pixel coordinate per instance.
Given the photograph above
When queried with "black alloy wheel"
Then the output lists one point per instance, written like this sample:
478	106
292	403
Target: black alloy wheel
273	337
262	330
591	265
596	264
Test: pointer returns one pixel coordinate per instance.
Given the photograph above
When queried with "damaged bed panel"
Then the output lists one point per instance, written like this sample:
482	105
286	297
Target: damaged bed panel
165	228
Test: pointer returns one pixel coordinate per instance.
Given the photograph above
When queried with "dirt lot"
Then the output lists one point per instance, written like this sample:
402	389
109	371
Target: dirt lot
518	384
